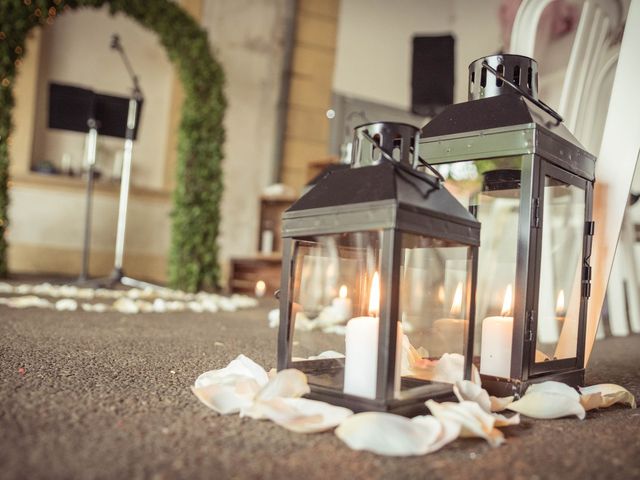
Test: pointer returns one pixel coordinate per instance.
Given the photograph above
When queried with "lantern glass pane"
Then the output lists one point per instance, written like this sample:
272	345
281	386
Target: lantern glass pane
336	278
491	190
435	278
560	271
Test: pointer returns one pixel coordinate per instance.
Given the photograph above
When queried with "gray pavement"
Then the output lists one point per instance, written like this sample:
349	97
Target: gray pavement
86	395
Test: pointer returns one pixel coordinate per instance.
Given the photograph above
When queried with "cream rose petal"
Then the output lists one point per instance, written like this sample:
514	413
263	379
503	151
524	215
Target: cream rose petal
591	401
227	398
388	434
468	390
605	395
558	388
289	383
241	366
474	421
448	433
547	405
299	415
499	404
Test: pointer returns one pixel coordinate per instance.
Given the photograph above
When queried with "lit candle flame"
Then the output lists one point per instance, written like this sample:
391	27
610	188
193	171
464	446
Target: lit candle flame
374	296
261	288
343	291
507	305
456	306
560	304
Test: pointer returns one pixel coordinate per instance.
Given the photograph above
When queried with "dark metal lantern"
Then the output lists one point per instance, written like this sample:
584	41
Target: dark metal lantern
378	275
507	156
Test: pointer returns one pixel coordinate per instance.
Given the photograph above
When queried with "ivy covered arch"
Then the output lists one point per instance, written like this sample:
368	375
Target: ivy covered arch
193	258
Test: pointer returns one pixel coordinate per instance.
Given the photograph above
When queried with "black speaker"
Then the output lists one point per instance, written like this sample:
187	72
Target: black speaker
432	74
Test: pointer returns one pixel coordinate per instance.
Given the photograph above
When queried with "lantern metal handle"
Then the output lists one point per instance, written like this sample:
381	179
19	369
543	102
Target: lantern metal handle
431	168
526	95
425	178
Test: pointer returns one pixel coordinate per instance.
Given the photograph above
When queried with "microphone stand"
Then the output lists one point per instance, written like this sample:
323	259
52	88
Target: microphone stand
117	275
92	145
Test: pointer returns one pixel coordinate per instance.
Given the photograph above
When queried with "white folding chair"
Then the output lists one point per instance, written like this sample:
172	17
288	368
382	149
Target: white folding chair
584	105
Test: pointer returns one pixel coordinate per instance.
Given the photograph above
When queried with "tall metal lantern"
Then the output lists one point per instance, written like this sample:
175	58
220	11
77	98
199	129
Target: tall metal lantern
379	272
508	157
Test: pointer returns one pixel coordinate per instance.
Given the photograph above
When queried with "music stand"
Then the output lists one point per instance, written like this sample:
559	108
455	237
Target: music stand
79	109
74	109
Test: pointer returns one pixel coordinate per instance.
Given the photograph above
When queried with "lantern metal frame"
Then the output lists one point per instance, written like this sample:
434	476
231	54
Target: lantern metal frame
512	124
395	199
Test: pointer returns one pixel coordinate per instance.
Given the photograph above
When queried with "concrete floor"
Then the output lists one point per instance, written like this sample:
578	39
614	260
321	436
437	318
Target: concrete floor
86	395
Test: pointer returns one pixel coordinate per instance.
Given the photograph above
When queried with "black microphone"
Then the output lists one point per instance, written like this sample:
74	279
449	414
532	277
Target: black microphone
115	41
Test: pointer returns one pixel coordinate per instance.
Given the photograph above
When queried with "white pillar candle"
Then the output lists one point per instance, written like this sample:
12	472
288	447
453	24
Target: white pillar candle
342	305
495	348
361	348
361	352
267	242
497	335
261	288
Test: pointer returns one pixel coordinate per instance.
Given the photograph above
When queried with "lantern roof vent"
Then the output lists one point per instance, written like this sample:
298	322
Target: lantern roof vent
517	70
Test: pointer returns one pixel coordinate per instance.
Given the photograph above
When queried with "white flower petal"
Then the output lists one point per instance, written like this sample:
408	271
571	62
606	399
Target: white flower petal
547	405
125	305
467	390
474	421
388	434
66	305
241	366
504	421
327	354
228	398
29	301
591	401
299	415
500	403
289	383
609	393
558	388
449	430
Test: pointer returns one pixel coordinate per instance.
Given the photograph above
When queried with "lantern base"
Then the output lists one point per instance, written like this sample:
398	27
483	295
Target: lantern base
504	387
408	407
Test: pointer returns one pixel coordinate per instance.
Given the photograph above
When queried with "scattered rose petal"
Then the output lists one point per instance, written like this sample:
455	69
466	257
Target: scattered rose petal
229	397
195	307
289	383
450	369
499	404
504	421
67	304
94	307
327	354
473	420
299	415
274	318
388	434
29	301
551	386
230	389
548	400
241	366
605	395
467	390
125	305
144	306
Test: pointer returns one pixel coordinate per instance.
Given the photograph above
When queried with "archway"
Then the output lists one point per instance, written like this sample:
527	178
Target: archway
193	256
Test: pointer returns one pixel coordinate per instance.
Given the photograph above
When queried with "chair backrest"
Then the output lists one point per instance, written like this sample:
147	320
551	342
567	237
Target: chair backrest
588	97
